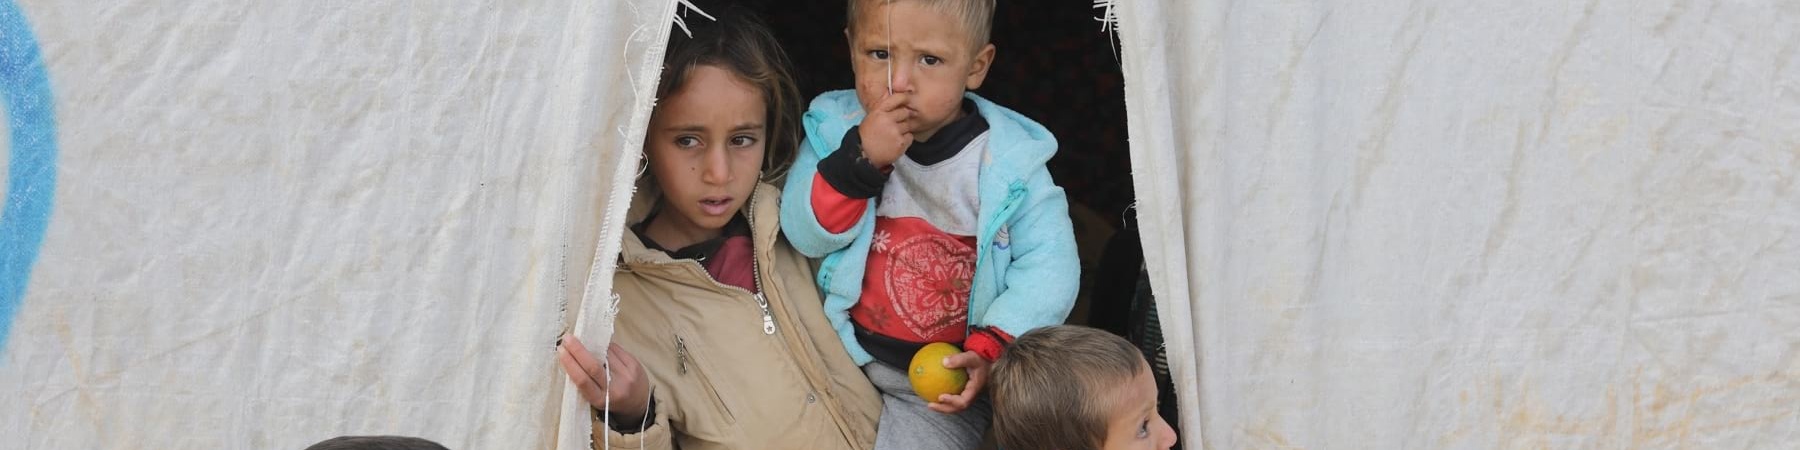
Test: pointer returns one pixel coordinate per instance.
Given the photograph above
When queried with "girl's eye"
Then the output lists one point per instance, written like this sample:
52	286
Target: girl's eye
687	142
931	60
1143	430
879	54
742	141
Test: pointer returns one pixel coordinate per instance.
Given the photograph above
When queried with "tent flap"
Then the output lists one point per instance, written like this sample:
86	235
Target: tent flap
1473	225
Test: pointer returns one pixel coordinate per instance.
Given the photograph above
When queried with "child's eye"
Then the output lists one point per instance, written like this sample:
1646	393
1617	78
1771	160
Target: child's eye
687	142
879	54
1143	430
930	60
742	141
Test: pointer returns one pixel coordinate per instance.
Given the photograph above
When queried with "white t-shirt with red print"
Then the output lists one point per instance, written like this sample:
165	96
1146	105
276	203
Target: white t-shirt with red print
922	255
921	261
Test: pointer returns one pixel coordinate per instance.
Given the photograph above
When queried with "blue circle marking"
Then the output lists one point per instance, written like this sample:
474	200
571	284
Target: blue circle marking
31	171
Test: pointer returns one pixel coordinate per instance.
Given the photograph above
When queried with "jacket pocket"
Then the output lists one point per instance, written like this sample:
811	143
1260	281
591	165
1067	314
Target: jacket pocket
690	361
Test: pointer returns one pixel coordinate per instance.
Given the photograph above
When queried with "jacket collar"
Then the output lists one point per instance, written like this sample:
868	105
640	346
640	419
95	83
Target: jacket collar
1017	145
763	211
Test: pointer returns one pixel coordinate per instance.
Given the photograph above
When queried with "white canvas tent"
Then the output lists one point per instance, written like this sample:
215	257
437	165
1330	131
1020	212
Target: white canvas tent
1537	224
274	223
1530	224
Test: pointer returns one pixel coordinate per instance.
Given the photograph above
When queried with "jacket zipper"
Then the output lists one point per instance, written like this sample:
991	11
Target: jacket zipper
1009	206
768	322
768	318
814	391
762	302
681	356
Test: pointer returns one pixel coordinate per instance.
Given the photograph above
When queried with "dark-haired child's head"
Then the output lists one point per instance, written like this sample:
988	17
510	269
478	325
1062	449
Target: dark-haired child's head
376	443
1074	388
741	44
727	116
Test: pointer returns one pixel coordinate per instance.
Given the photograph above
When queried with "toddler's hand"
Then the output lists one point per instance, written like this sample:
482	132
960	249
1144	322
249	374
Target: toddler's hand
978	375
885	135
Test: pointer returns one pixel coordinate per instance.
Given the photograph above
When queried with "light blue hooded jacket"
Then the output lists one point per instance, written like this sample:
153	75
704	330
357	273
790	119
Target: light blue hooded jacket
1026	268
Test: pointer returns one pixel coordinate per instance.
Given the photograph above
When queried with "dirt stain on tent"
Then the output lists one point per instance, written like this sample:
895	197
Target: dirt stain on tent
1650	413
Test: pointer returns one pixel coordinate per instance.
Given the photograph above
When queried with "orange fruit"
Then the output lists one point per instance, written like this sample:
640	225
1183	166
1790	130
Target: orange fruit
929	376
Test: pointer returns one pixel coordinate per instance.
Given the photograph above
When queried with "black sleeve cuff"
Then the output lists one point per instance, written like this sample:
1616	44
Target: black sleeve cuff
848	172
622	426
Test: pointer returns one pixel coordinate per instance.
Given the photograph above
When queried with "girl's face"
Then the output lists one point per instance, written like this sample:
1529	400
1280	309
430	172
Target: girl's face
705	147
1133	422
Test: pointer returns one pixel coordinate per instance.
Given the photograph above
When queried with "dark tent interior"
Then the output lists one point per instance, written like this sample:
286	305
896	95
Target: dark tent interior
1057	64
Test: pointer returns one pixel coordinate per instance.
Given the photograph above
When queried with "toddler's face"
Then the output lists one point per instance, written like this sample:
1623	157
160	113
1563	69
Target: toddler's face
1133	422
930	57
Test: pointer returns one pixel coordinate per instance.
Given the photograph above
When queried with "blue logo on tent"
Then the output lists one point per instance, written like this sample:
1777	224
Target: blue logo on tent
31	171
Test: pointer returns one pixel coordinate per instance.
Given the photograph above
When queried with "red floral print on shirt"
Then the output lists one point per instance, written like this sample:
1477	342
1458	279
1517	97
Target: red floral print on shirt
928	282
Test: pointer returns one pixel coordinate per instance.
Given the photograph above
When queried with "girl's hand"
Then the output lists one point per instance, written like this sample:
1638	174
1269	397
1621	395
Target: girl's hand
978	375
885	135
630	388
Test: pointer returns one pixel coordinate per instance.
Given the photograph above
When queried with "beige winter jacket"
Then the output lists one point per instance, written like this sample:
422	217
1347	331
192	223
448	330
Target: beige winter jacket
720	381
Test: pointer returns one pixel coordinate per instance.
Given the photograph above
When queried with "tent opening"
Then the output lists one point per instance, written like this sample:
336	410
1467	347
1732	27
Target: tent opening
1060	67
1053	64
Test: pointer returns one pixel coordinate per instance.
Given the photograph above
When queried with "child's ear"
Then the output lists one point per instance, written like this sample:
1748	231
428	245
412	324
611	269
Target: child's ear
979	70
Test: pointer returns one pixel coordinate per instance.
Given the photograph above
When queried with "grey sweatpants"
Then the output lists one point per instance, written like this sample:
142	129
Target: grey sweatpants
907	424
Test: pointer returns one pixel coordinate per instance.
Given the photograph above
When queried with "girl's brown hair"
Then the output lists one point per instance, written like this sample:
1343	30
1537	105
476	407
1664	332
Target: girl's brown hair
740	42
